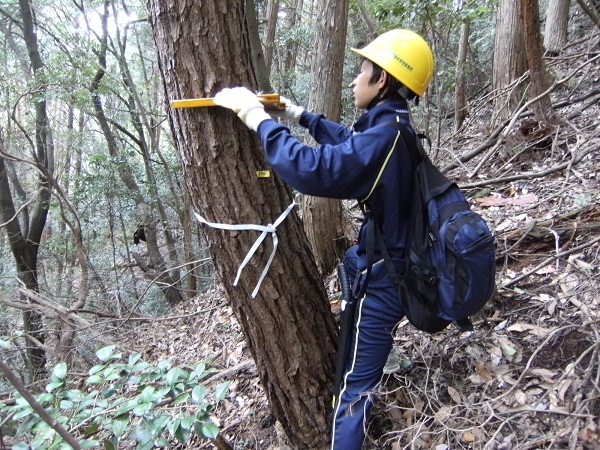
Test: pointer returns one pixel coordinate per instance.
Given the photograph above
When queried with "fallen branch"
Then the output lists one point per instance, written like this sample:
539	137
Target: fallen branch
548	261
51	421
533	175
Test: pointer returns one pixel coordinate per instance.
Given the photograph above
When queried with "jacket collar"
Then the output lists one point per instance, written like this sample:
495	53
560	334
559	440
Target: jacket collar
387	111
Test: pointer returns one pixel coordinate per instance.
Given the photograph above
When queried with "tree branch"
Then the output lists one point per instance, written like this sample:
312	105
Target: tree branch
51	421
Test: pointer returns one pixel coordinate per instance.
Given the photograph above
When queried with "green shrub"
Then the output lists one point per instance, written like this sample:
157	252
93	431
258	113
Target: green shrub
121	403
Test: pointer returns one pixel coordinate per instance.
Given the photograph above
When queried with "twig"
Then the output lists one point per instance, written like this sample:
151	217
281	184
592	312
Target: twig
532	175
51	421
550	260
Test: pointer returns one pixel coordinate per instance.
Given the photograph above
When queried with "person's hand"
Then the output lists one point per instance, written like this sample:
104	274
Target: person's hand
243	102
291	112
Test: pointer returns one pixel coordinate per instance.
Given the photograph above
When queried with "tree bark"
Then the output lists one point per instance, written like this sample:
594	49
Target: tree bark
538	79
324	218
509	62
290	332
271	28
258	57
460	101
556	30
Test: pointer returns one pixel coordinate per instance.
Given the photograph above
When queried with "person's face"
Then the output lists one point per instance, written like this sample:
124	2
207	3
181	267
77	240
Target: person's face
363	91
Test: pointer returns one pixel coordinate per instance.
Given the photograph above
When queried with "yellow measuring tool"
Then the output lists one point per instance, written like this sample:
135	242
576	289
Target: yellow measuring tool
270	101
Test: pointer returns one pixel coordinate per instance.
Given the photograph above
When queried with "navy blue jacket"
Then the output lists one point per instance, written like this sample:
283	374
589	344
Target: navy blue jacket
367	162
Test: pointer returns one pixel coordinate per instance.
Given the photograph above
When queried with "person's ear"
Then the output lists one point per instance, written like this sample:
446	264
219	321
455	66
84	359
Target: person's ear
383	79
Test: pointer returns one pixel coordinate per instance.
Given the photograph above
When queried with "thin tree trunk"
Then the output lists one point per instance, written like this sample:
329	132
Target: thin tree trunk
460	101
556	29
258	57
530	15
271	28
510	61
324	218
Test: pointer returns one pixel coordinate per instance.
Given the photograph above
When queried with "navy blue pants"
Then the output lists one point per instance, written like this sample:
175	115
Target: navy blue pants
376	317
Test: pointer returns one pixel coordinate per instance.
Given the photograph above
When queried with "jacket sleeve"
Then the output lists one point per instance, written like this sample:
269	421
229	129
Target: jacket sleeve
345	170
324	131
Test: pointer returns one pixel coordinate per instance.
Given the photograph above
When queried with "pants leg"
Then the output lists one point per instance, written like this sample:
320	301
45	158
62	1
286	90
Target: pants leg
376	317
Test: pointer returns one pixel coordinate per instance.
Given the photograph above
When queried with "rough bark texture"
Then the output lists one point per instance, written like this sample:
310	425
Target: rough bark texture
556	29
530	15
203	47
460	102
510	60
324	218
271	27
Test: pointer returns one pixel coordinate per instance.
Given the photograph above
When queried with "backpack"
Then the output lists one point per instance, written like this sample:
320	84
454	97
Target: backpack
450	252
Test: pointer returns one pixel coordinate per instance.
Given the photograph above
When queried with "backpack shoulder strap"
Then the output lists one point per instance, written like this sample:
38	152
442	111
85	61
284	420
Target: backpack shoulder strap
413	143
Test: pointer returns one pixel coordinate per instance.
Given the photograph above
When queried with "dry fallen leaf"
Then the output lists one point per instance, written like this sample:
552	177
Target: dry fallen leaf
467	437
454	394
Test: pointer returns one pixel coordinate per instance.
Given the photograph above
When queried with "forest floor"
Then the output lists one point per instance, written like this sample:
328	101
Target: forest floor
528	376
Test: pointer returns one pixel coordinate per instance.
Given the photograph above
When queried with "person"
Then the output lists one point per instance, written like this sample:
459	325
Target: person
368	162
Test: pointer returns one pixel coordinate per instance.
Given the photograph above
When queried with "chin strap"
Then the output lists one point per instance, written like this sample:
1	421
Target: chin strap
402	93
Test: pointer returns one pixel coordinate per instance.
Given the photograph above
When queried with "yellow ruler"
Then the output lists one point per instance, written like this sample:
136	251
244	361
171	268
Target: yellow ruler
271	101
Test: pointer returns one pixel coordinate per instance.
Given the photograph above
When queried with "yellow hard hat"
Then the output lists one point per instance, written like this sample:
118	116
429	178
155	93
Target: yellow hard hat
404	55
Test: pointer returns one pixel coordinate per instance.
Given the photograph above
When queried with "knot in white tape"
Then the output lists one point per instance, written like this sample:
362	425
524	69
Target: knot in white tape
265	230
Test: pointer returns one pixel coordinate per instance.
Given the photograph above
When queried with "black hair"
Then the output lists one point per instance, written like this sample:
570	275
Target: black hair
391	89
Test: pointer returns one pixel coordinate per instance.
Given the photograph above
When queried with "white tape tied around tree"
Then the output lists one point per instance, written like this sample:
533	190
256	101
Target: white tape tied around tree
265	230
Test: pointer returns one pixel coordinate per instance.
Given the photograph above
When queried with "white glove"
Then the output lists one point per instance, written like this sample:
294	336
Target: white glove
243	102
292	112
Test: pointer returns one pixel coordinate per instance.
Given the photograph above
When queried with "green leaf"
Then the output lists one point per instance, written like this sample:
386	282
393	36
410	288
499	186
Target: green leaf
162	365
143	434
181	398
141	408
97	368
209	430
21	446
108	445
89	443
173	426
134	358
221	391
147	395
182	434
60	371
198	372
23	413
106	353
199	393
92	429
66	404
120	426
94	379
172	376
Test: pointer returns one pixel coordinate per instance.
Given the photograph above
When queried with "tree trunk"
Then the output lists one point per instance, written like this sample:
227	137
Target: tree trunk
291	51
509	62
258	57
556	30
364	14
288	327
460	101
324	218
530	15
271	28
25	237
